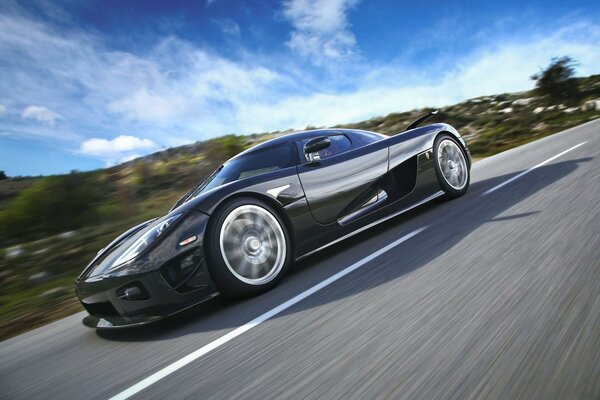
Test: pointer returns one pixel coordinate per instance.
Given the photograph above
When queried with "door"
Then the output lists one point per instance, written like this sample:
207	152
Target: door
343	184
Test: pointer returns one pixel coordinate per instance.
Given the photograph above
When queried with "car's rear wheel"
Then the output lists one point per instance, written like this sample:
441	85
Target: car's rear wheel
451	166
249	248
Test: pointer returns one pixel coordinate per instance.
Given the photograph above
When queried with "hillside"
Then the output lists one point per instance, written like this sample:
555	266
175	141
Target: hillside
50	227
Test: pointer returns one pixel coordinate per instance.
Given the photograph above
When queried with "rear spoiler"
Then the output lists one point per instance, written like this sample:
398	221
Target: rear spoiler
421	119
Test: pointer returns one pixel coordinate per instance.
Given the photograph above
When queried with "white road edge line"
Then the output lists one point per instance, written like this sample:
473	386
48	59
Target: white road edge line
514	178
157	376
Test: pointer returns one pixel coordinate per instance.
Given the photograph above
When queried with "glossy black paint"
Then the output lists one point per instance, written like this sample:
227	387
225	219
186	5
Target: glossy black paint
321	202
339	185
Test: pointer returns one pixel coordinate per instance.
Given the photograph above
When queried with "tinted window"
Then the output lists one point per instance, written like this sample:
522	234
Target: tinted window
339	144
368	137
251	164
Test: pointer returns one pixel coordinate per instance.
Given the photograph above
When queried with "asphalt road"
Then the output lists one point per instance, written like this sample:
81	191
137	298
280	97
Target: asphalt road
497	298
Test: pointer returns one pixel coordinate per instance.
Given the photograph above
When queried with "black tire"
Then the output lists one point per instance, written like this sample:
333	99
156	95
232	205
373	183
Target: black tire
449	183
226	258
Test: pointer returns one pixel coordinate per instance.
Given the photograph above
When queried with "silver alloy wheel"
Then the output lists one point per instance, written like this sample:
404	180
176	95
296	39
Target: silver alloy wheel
252	244
452	163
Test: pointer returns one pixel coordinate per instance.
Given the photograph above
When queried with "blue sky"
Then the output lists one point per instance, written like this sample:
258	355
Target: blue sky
90	84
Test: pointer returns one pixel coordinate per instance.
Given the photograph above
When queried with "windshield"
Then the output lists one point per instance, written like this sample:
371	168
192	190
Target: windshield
251	164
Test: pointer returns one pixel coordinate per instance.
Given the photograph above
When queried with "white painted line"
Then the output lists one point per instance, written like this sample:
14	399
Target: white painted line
157	376
514	178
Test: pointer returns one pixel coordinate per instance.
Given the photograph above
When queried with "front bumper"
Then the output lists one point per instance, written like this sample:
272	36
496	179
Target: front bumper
167	279
109	306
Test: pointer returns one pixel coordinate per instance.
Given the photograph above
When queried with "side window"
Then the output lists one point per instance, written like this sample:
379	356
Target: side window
339	144
366	137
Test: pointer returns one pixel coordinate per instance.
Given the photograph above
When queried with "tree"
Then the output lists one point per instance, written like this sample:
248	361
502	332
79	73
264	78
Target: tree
3	175
556	81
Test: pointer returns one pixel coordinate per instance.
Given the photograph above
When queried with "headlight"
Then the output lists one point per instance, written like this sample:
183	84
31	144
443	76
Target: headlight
144	241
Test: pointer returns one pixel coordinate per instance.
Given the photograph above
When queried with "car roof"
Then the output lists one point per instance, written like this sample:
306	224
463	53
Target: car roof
289	138
304	135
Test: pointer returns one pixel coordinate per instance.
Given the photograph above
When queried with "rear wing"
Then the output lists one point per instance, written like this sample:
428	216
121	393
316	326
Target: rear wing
421	119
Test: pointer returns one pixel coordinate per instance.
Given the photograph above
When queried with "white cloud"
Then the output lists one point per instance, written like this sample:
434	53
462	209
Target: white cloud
2	110
41	114
130	157
503	67
145	105
121	147
177	92
228	26
321	29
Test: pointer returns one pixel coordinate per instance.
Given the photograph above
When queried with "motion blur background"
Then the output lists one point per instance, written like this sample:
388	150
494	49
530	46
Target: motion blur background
111	110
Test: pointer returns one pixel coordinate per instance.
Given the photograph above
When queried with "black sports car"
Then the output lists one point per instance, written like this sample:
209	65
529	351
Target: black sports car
238	231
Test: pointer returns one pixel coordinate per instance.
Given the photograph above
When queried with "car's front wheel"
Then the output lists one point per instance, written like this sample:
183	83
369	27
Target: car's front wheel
249	248
451	166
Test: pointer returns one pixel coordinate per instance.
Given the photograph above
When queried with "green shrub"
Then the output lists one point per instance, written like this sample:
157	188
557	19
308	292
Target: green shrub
51	205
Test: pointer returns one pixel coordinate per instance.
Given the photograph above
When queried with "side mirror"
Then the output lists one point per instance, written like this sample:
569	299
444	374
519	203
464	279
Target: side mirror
315	145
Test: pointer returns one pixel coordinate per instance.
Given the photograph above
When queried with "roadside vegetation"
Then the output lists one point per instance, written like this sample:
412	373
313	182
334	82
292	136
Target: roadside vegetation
51	227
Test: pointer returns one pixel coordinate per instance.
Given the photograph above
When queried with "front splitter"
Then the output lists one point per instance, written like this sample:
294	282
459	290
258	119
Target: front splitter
118	322
133	321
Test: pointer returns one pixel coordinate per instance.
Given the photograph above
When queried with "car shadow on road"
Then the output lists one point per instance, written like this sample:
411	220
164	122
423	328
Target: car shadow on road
465	214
